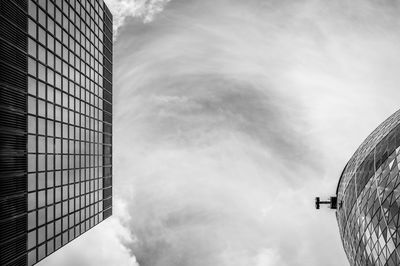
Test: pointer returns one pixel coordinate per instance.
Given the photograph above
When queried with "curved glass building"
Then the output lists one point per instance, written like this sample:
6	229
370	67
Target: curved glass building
368	196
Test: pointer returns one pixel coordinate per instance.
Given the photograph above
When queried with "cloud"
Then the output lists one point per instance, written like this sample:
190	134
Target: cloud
103	245
146	10
233	115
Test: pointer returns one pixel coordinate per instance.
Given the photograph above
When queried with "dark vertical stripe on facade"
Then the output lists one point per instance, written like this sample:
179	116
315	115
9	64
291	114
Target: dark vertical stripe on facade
107	114
13	129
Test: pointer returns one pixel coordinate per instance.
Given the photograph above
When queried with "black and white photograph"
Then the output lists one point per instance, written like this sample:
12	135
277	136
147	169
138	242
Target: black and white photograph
200	132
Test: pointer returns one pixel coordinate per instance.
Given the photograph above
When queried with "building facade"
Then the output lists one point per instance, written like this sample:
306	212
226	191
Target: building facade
55	124
368	196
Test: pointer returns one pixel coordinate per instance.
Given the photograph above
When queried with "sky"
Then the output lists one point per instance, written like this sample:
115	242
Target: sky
229	118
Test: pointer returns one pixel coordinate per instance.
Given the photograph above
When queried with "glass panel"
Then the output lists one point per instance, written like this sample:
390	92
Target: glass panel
50	93
32	47
32	66
50	229
31	144
31	201
42	18
50	145
50	61
31	86
50	111
31	182
41	126
42	108
50	125
42	90
50	179
50	199
31	220
32	28
42	35
32	257
31	124
31	239
42	72
41	234
42	54
41	163
41	200
42	216
32	9
50	163
41	180
31	162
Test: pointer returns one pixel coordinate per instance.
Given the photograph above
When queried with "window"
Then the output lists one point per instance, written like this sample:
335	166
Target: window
31	124
42	3
42	72
50	196
32	28
31	182
41	235
41	216
58	82
50	246
50	94
31	201
41	163
50	226
58	162
58	68
32	47
31	66
41	35
32	9
41	126
31	86
50	8
50	27
50	164
50	124
42	54
50	111
58	32
58	94
41	202
57	145
31	220
41	144
31	143
57	214
31	105
31	239
58	133
58	118
50	178
50	74
32	163
42	17
42	108
42	90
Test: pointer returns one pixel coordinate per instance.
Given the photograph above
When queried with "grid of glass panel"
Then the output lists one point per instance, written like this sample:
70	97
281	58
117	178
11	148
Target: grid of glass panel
369	224
65	122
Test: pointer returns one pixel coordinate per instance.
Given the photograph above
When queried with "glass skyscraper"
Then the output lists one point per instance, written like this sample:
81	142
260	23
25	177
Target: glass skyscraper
55	124
368	197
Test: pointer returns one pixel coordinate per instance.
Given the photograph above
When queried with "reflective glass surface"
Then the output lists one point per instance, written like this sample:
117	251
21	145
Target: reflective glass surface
369	199
66	121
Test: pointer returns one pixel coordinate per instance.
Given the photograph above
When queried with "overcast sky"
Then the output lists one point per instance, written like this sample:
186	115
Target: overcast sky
230	116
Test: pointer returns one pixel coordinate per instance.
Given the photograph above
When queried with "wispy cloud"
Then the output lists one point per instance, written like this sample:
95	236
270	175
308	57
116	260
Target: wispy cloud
146	10
235	114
